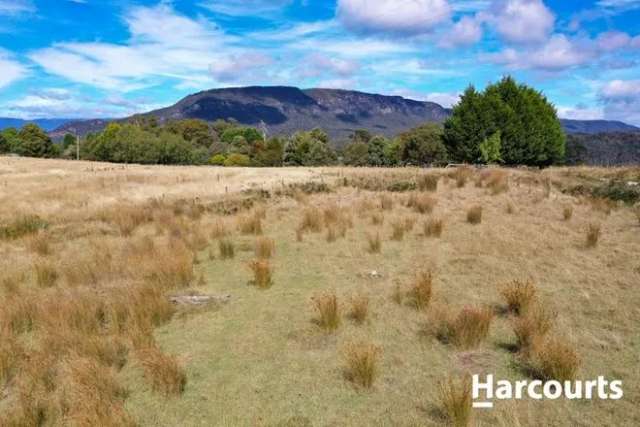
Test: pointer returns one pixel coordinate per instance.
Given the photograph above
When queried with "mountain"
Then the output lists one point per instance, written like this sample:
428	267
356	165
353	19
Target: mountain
604	149
596	126
46	124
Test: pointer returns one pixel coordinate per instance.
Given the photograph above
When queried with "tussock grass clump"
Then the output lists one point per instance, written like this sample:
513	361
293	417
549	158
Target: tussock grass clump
40	243
362	360
374	243
519	296
593	235
128	218
10	354
398	229
227	249
428	182
377	218
422	203
498	181
466	330
265	247
172	266
359	308
511	209
250	224
636	211
386	202
46	274
455	397
409	224
328	310
163	372
535	324
22	226
422	290
602	205
567	213
433	227
546	186
553	358
474	215
262	273
462	175
331	213
311	220
219	230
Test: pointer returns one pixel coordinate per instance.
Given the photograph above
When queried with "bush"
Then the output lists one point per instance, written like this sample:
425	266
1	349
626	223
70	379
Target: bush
428	182
535	324
311	220
237	160
218	160
328	311
465	330
362	363
422	203
265	247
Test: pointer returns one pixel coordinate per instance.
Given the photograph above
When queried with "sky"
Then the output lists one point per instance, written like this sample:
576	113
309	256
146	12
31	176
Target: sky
113	58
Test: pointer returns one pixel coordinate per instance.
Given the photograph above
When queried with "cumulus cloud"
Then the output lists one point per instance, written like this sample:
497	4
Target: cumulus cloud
621	100
10	70
318	64
520	21
245	7
580	112
395	17
240	67
467	31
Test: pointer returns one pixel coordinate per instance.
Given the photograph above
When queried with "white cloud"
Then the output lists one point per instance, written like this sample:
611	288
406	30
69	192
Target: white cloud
621	100
241	67
619	4
318	64
520	21
10	70
621	89
16	7
399	17
245	7
467	31
580	112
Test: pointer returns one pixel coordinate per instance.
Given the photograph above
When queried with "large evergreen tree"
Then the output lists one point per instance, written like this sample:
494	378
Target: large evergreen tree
530	131
34	142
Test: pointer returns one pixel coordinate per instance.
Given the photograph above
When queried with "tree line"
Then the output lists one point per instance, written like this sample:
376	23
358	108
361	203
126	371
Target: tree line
508	123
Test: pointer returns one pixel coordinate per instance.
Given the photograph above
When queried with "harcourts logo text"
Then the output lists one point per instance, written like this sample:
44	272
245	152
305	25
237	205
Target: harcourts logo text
485	392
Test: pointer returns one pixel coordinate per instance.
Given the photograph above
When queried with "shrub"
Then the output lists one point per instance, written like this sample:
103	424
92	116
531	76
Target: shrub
428	182
374	243
162	371
328	311
422	290
46	274
217	160
262	273
265	247
359	308
398	229
554	359
422	203
474	215
593	235
567	213
456	399
433	227
237	160
227	249
362	363
519	296
22	226
535	324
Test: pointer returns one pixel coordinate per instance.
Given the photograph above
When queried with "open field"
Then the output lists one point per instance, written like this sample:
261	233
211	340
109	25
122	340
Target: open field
341	297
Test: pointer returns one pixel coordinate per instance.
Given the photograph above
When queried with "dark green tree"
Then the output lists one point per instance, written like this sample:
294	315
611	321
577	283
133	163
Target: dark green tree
4	144
68	141
34	142
356	154
376	150
530	131
423	146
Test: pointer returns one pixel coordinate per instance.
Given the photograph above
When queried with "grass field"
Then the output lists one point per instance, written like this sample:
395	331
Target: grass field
340	297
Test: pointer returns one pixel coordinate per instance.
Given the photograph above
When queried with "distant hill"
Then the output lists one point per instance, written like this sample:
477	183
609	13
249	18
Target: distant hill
604	149
46	124
596	126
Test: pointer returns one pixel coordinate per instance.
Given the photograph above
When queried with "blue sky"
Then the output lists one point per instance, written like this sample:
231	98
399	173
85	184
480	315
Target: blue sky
99	58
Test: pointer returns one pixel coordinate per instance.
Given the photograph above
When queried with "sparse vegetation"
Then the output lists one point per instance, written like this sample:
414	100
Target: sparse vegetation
163	372
433	227
329	317
359	308
466	330
474	215
553	358
265	248
455	396
422	290
262	273
567	213
593	235
226	248
374	242
519	295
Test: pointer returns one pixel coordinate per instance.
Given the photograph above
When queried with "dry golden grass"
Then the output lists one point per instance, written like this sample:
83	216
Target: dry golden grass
519	295
163	372
359	308
386	202
455	395
428	182
226	248
466	330
422	203
474	215
497	181
593	235
311	220
398	228
250	223
262	273
362	360
265	247
567	213
422	290
433	227
553	358
374	243
533	325
40	244
46	274
377	218
328	309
